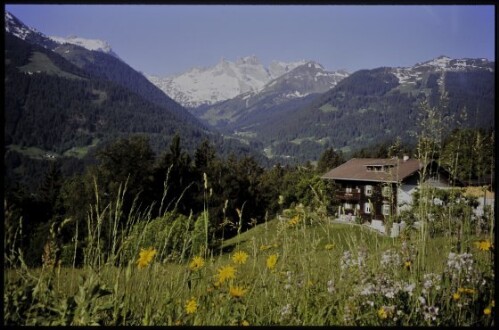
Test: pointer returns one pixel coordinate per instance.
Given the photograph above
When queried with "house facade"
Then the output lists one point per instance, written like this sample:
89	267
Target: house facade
374	189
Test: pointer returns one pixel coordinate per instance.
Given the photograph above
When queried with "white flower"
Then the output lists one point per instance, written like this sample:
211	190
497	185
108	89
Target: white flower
409	288
330	286
286	310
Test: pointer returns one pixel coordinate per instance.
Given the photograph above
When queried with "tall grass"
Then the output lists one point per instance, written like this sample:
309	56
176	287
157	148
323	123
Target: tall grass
325	274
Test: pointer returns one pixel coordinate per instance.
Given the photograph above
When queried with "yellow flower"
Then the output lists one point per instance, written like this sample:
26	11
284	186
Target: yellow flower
487	311
237	291
240	257
484	245
407	264
196	263
382	313
329	246
145	257
271	261
456	296
294	221
191	306
245	323
226	273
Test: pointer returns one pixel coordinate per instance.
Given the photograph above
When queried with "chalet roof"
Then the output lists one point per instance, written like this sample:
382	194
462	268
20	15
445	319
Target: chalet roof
361	169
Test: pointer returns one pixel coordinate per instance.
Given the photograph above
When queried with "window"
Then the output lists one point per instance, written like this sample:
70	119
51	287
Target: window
367	208
369	190
347	206
387	191
386	209
348	189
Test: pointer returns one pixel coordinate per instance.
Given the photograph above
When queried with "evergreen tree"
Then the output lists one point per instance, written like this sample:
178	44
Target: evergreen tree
329	160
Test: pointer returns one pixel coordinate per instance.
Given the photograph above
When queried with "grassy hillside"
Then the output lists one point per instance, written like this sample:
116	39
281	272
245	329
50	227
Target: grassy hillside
300	271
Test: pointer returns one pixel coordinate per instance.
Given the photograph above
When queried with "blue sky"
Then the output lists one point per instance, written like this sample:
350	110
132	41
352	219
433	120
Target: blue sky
169	39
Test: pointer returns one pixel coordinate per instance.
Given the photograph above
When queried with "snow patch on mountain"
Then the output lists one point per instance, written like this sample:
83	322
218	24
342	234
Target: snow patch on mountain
413	74
17	28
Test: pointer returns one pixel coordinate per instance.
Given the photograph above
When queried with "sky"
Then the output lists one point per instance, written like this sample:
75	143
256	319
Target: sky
164	40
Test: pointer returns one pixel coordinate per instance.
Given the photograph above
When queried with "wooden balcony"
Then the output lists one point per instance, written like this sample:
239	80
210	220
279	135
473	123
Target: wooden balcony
353	195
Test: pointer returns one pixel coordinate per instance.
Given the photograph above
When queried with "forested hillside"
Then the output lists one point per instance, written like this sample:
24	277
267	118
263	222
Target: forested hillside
56	109
371	107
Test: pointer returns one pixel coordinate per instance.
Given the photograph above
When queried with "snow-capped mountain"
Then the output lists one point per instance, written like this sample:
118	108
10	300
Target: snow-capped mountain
442	64
24	32
90	44
308	78
221	82
273	99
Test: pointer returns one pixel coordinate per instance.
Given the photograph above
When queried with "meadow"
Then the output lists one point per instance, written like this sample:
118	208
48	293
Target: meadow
301	270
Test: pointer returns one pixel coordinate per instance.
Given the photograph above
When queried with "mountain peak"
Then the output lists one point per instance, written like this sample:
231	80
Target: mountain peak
223	81
90	44
252	59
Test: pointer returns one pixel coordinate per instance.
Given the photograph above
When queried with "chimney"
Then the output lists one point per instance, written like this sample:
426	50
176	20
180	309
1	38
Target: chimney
406	157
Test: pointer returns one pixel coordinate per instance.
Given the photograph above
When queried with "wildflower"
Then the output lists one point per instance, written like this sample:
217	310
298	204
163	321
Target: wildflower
237	291
191	306
430	313
271	261
408	264
487	311
456	296
409	288
431	280
245	323
329	246
145	257
286	310
382	313
330	286
196	263
240	257
294	221
390	257
226	273
483	245
368	290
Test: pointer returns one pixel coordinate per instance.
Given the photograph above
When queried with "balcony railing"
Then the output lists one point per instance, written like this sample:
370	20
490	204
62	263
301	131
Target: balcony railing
353	195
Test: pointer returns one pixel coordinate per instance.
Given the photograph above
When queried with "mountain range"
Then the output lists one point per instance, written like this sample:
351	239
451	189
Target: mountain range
296	115
225	80
291	112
